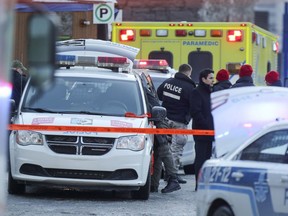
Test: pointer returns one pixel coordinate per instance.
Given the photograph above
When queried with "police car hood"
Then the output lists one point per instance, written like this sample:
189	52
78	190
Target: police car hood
241	112
81	120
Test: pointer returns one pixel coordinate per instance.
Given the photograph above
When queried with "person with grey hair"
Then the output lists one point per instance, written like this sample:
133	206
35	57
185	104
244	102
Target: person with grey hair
176	97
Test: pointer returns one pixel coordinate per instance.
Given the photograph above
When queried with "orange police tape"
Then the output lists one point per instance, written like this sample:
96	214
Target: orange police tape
110	129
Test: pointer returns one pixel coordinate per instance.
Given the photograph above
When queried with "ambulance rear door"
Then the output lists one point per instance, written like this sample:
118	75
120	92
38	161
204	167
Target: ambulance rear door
162	49
201	54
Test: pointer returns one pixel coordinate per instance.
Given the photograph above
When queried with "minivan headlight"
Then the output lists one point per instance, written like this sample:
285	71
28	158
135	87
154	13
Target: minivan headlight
24	137
134	143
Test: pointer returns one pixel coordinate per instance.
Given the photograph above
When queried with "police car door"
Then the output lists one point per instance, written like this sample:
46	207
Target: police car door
262	174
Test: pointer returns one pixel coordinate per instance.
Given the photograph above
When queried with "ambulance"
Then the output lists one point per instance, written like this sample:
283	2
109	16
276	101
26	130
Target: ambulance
213	45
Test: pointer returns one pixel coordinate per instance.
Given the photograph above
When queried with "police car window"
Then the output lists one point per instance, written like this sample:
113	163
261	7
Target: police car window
272	147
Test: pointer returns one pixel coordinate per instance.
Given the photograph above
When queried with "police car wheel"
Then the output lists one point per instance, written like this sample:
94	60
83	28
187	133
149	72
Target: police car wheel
223	211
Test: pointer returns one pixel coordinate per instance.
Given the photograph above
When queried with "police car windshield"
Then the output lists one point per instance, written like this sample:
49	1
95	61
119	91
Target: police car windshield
86	95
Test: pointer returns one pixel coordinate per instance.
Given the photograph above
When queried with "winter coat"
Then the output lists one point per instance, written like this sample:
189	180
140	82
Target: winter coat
276	83
19	82
201	111
243	81
221	85
176	96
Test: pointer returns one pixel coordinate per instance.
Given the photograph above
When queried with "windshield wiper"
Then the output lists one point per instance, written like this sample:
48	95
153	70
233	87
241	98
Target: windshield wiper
84	112
41	110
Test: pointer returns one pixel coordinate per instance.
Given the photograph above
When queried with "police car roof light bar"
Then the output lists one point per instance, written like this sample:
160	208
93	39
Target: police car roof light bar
115	62
101	61
152	64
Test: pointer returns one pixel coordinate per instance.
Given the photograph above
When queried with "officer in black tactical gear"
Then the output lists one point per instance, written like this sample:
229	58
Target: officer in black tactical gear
162	154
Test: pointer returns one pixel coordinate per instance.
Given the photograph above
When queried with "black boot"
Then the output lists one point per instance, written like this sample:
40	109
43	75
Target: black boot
181	180
172	185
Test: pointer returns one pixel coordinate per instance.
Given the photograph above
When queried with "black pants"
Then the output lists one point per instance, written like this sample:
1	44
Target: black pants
203	152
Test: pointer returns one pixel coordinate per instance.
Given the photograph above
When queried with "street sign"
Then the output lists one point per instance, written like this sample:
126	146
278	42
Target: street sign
103	13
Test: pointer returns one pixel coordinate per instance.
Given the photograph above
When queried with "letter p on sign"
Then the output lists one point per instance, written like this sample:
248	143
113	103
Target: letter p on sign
103	13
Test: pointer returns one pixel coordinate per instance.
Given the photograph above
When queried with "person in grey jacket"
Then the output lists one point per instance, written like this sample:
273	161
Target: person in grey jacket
245	77
223	82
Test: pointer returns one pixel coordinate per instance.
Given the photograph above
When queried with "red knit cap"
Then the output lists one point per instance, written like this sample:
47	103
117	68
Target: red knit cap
245	70
272	76
222	75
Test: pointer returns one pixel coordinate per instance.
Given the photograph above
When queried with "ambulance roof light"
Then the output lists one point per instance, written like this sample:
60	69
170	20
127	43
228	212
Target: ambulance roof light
180	32
152	64
127	35
161	32
234	35
145	32
275	47
200	33
216	33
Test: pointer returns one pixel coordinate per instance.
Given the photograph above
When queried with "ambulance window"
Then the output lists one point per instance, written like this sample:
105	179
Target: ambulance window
167	55
233	68
199	60
272	147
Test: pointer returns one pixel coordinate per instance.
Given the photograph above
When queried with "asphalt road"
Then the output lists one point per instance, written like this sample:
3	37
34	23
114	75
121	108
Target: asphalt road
73	202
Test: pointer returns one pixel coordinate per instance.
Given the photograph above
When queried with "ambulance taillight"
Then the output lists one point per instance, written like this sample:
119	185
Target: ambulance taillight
234	35
127	35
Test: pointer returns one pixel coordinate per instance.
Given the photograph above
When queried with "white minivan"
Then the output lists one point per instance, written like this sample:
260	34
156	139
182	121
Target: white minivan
98	90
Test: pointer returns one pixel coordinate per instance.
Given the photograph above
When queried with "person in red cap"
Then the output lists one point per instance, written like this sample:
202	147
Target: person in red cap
272	79
223	82
245	77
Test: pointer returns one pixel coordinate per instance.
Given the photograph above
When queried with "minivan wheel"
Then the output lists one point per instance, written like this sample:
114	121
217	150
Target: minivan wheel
14	187
144	192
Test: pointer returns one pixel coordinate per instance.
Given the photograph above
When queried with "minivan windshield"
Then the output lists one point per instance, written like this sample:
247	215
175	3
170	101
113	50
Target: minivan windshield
86	96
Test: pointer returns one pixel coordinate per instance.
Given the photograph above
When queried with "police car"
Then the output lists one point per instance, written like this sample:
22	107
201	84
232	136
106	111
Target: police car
249	175
98	90
159	70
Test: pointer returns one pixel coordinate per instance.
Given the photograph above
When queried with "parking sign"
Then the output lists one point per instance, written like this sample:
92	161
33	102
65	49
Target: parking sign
103	13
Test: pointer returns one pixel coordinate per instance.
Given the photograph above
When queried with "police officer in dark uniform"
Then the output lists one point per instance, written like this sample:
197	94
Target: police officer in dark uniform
175	93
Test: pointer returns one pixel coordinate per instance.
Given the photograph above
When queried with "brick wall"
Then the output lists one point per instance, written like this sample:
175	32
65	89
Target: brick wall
186	10
160	10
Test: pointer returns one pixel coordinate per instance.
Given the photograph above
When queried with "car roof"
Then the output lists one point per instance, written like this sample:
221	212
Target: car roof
239	113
